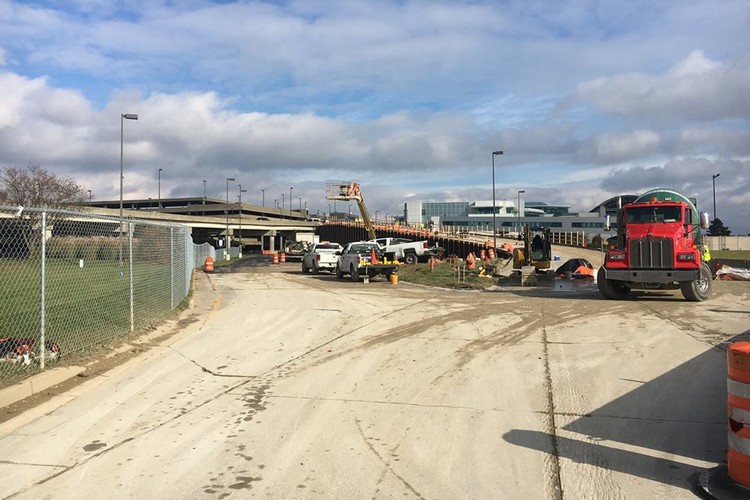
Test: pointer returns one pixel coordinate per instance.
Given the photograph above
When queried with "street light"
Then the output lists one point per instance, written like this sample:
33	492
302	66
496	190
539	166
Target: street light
713	180
123	117
89	196
204	191
290	202
518	207
226	244
158	183
376	215
281	212
263	194
300	204
494	218
239	197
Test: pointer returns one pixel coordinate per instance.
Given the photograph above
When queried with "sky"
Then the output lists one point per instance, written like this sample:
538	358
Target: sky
587	99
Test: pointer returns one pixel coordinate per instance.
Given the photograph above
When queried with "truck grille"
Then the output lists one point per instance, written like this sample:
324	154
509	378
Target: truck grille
651	253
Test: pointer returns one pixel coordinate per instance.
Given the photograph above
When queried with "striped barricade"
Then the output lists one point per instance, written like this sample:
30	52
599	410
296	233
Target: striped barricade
738	402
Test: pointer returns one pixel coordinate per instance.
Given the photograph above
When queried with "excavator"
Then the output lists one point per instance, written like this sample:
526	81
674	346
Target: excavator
536	251
347	191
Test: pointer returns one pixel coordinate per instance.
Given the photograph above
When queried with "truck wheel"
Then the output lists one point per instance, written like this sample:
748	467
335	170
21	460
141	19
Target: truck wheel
700	289
611	289
305	269
354	274
315	268
339	273
411	258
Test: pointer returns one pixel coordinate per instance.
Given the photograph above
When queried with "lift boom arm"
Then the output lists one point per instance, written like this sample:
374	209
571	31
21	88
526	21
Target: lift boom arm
347	191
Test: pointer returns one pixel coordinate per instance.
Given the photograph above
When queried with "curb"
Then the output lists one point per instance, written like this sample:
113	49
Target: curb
38	383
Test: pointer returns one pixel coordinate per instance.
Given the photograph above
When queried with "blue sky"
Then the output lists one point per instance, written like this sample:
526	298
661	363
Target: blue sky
588	99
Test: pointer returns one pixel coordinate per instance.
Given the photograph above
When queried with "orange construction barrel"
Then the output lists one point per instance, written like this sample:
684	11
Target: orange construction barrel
275	258
283	258
470	261
738	406
208	265
394	279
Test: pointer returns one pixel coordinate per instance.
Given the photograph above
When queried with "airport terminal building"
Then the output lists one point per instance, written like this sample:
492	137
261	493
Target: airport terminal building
510	215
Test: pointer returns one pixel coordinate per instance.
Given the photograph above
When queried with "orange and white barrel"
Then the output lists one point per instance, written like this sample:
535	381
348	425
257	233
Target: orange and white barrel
283	257
275	258
738	406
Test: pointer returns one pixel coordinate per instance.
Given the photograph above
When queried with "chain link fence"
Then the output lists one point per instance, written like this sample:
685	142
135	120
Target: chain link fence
71	281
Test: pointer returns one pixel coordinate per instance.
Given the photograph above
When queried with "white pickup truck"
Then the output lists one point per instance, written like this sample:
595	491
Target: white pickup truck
356	261
321	257
407	250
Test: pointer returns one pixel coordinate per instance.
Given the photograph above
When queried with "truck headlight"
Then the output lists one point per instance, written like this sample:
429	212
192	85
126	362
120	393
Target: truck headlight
686	257
616	256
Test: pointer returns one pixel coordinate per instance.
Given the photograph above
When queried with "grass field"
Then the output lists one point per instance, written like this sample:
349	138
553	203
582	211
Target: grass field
731	254
86	305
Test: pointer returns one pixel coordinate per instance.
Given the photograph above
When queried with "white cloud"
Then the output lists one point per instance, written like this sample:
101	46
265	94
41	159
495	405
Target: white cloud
695	89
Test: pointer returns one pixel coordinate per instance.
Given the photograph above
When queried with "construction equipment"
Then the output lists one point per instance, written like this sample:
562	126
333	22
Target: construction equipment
347	191
536	251
659	245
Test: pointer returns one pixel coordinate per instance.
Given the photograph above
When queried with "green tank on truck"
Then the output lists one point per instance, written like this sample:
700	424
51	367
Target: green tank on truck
659	246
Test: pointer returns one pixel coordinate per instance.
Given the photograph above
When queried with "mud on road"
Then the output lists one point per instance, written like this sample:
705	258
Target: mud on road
304	386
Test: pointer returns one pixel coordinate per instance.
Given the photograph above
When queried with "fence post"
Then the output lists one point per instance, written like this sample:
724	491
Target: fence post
130	267
43	294
171	268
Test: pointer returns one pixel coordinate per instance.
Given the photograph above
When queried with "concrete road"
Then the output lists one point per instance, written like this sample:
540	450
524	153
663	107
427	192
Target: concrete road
287	385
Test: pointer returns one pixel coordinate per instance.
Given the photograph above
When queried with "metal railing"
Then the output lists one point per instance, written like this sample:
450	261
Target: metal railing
70	281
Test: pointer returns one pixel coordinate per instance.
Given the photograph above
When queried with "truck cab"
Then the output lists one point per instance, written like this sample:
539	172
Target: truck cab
659	245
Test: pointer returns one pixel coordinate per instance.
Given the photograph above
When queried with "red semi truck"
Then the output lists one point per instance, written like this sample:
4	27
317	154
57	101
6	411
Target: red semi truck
659	245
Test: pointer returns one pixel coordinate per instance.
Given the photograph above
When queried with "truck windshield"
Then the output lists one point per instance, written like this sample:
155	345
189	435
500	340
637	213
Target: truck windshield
645	215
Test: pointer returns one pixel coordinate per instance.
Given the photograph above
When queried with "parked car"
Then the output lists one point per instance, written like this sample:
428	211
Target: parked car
321	257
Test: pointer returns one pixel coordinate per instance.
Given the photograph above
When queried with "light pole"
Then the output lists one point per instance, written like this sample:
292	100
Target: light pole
239	198
226	244
158	188
123	117
89	196
713	180
281	211
290	202
300	203
204	191
518	206
494	218
376	216
263	200
329	211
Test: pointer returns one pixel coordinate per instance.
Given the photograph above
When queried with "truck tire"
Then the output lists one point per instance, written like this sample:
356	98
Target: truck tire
339	272
411	258
611	289
305	269
354	273
315	268
700	289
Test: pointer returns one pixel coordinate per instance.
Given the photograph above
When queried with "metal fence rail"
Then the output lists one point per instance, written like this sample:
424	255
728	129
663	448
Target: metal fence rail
70	281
